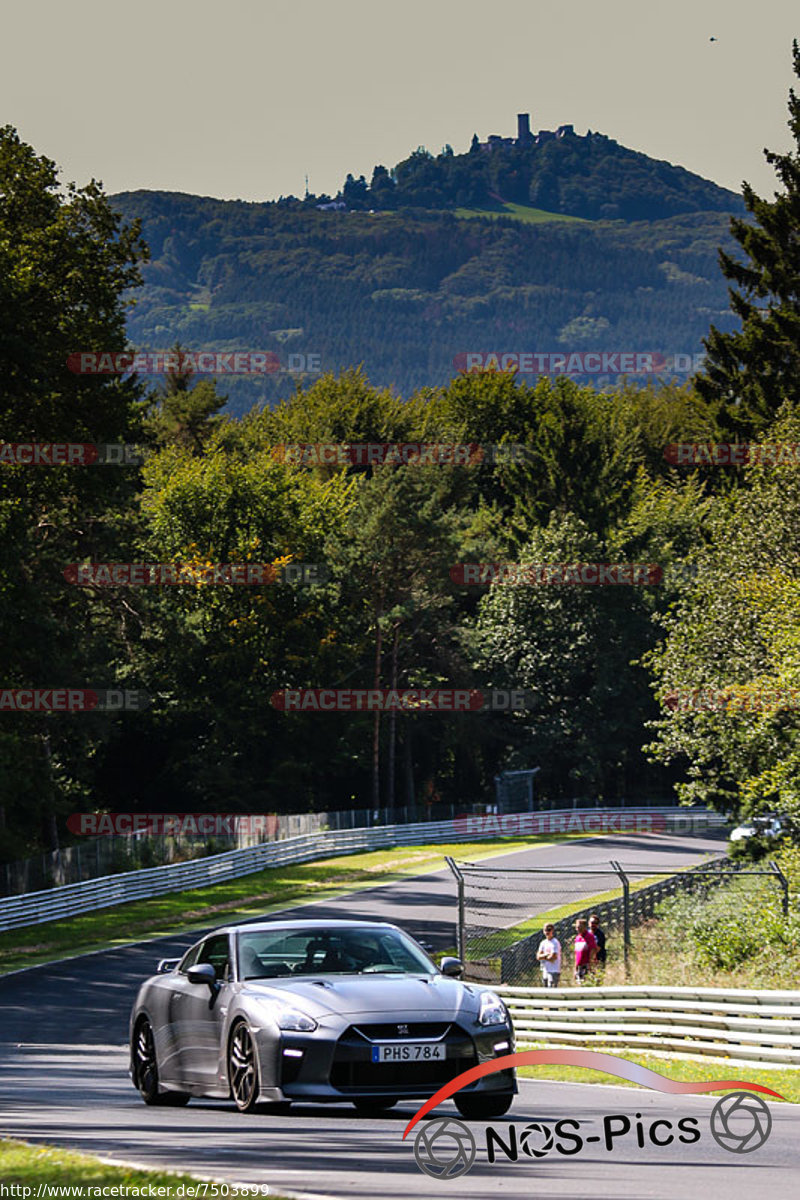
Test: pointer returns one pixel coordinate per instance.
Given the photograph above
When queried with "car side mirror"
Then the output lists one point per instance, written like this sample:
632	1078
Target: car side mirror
167	964
452	967
203	973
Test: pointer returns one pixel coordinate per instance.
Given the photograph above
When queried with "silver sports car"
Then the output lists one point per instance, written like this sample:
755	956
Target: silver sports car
308	1011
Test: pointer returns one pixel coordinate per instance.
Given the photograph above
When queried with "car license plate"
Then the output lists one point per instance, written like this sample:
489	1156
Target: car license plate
408	1052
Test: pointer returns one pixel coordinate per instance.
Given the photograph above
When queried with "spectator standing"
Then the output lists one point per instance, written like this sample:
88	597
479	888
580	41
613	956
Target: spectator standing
585	950
600	937
549	957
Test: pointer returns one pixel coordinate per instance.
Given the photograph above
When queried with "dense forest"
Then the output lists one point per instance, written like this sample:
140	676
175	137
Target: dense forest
404	294
606	670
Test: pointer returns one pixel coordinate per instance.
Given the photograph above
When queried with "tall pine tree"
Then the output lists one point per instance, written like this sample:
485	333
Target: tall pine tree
749	373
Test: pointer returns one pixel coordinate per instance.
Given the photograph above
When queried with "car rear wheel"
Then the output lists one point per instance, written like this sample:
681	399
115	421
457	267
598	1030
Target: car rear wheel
371	1108
145	1069
243	1068
483	1108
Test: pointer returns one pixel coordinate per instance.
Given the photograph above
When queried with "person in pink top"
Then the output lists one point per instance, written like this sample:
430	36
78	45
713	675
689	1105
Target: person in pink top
585	950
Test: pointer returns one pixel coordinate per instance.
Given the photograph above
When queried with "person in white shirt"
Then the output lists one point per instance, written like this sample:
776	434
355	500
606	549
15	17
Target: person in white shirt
549	957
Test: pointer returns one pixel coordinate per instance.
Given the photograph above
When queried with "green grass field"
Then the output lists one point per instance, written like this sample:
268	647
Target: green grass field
519	212
237	899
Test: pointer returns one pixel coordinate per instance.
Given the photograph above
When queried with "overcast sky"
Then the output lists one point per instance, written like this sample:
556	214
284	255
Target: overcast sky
243	98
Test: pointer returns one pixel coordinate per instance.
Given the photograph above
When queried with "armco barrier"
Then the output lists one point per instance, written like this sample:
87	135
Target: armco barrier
681	1021
112	854
34	908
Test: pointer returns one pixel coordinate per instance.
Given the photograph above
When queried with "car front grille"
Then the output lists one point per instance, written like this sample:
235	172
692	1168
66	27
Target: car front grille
353	1069
414	1031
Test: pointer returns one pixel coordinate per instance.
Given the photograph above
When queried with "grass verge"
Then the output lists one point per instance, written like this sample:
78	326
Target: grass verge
237	899
786	1082
503	938
28	1167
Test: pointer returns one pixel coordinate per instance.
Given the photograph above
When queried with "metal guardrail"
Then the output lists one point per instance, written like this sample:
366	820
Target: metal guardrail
716	1022
35	908
113	854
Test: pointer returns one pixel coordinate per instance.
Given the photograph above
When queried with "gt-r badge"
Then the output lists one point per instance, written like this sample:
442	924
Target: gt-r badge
402	1031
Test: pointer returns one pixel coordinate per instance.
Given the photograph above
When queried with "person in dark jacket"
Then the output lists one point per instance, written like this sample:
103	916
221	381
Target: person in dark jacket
599	937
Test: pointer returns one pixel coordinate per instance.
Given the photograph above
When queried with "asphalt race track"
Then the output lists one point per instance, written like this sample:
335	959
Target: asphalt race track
63	1079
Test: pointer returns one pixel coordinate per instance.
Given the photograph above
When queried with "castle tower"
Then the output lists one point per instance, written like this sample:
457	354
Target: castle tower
523	129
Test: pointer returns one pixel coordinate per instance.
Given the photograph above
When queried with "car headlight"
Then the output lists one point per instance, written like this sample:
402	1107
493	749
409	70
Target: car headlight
286	1017
492	1010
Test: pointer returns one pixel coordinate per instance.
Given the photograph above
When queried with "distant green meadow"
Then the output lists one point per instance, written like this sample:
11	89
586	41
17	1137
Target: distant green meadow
520	212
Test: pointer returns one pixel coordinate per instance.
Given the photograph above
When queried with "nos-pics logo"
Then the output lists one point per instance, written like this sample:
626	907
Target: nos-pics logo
445	1148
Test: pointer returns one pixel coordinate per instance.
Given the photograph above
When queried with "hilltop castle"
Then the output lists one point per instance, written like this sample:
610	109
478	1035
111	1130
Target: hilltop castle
524	136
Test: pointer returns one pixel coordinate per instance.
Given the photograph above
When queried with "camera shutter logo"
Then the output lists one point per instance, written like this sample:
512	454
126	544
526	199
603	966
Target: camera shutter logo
740	1122
536	1140
444	1148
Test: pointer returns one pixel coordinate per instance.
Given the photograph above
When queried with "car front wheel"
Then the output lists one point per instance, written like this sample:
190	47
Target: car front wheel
145	1069
243	1068
483	1108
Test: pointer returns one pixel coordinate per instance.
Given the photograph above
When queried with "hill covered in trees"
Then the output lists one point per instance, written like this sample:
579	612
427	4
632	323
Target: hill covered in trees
592	177
405	293
545	243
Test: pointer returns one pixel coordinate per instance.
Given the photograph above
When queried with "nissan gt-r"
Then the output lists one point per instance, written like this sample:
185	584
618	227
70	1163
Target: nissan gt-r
317	1012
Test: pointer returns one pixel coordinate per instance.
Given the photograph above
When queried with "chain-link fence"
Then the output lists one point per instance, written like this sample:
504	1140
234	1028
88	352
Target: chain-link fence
501	911
93	858
112	854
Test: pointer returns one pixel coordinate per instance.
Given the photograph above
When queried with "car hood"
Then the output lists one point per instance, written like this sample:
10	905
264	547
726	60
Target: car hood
434	996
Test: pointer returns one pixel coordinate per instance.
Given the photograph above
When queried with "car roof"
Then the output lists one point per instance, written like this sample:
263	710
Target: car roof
323	925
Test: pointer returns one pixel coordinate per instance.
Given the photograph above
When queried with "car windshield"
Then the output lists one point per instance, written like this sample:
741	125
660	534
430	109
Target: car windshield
269	954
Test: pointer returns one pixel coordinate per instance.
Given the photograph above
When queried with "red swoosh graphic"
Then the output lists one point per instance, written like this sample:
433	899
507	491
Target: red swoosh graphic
595	1061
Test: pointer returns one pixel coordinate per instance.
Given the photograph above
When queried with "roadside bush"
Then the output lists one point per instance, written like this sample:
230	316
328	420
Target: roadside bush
752	849
732	925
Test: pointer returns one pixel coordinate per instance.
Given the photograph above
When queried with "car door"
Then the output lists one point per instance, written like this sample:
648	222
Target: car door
168	1030
199	1014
